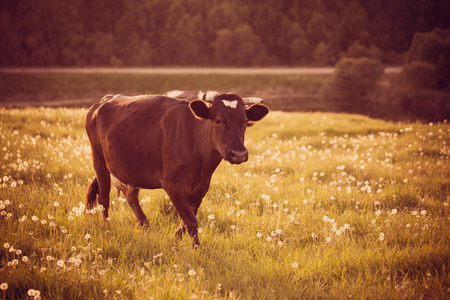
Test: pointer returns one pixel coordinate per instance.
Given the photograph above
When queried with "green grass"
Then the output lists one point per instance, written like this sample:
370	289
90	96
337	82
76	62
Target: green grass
328	206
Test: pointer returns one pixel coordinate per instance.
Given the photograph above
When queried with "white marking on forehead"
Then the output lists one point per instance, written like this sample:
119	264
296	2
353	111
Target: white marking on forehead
232	104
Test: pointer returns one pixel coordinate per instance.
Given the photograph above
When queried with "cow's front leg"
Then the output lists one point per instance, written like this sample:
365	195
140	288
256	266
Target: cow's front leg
132	196
182	228
187	214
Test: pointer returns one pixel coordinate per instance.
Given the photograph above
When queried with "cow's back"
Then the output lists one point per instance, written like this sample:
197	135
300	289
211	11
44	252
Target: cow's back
128	131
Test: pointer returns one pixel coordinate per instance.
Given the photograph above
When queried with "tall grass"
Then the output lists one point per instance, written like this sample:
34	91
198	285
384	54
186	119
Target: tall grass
328	206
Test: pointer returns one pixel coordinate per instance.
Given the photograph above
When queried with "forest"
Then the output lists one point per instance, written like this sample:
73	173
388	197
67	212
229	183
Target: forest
211	32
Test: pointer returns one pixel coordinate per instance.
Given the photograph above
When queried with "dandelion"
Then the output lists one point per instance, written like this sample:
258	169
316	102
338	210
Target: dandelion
87	236
295	265
6	245
259	234
381	236
394	211
34	219
4	286
328	239
102	272
423	212
326	219
313	235
25	259
269	238
56	204
60	263
192	272
211	217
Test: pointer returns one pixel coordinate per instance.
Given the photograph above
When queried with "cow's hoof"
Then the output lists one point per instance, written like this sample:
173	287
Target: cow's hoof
144	224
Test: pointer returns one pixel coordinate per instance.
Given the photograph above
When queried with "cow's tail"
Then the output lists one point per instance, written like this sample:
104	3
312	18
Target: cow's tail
91	197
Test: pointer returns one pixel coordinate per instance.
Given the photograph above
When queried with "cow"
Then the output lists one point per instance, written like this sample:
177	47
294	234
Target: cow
207	96
192	95
155	141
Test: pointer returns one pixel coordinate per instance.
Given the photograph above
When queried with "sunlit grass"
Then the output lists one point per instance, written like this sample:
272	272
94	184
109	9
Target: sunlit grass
328	206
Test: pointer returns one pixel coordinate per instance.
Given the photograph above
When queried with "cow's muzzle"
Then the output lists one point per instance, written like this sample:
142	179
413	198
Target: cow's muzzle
237	156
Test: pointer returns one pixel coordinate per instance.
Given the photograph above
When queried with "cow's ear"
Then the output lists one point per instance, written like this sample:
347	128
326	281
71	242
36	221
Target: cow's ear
256	112
199	108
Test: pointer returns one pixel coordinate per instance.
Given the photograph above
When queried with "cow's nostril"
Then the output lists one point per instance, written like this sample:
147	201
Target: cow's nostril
238	156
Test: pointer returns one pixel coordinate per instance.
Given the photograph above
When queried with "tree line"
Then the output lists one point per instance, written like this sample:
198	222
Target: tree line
211	32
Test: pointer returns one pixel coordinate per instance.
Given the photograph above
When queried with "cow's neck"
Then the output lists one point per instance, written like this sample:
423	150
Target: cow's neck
211	157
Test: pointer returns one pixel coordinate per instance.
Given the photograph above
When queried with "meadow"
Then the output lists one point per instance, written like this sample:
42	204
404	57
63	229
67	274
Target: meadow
329	206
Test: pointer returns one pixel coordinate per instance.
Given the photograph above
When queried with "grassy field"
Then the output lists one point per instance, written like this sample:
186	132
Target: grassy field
329	206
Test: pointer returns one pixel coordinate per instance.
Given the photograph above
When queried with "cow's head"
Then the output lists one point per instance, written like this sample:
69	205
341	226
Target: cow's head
229	117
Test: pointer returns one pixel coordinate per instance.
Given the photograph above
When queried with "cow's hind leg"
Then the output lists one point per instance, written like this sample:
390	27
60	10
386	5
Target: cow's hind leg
132	196
104	183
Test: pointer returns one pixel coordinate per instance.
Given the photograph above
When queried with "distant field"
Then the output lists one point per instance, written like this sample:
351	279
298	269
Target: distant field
39	87
329	206
282	89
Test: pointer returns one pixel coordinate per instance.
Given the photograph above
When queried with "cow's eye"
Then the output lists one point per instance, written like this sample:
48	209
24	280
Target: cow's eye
218	122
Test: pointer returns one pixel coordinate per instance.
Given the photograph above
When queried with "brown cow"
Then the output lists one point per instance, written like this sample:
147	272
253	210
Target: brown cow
192	95
155	142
